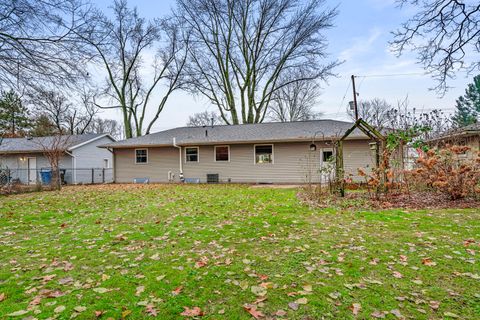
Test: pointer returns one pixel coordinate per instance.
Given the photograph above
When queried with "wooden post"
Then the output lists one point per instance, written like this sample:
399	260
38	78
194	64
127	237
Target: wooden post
339	170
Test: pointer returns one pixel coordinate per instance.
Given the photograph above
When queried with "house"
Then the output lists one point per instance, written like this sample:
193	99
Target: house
464	136
22	159
289	152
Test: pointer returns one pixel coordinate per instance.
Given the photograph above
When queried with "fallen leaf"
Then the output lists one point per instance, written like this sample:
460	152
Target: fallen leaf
194	312
177	291
302	301
428	262
281	313
2	297
80	309
378	314
258	291
356	308
293	306
397	275
397	313
139	291
253	311
17	313
434	304
101	290
450	314
99	313
150	310
59	309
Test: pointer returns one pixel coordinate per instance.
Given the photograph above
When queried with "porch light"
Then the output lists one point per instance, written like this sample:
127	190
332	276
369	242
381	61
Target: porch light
313	147
22	159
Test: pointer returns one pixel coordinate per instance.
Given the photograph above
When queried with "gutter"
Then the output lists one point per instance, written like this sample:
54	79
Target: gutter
180	159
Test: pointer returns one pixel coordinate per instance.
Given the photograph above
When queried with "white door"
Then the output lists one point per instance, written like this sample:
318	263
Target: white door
32	170
327	165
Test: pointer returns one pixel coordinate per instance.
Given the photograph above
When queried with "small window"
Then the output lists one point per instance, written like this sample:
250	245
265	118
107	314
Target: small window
106	164
264	154
327	156
191	154
222	153
141	156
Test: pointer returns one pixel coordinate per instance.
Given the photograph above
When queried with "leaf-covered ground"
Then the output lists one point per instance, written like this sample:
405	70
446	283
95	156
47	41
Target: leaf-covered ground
230	252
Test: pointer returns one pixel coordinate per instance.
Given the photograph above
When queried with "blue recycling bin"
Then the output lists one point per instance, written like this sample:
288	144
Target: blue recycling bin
46	176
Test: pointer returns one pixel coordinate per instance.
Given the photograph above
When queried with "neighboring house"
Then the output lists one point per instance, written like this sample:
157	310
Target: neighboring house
23	158
290	152
464	136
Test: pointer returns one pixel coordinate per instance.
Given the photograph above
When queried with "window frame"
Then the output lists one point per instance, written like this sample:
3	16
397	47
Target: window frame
255	153
215	153
139	149
107	161
198	154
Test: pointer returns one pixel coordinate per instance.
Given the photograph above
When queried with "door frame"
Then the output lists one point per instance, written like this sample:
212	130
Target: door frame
29	170
323	176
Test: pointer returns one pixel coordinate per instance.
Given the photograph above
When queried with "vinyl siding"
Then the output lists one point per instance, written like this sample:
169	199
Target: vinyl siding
292	163
88	157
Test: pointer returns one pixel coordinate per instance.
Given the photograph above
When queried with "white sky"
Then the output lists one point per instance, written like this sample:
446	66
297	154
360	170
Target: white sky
360	39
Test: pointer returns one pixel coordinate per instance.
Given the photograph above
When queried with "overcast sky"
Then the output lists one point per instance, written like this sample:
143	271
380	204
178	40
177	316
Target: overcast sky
360	39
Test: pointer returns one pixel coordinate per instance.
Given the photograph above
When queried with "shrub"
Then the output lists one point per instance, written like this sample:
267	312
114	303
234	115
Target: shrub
453	170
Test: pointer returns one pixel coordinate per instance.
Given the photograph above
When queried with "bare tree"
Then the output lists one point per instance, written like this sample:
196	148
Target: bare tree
295	102
240	50
204	118
122	44
38	42
112	127
69	117
445	35
376	112
54	148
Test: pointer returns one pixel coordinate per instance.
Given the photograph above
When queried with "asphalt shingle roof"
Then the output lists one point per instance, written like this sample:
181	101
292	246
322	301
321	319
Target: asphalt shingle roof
262	132
21	145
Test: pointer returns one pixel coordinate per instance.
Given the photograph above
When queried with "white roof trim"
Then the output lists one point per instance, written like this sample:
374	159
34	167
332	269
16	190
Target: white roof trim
91	140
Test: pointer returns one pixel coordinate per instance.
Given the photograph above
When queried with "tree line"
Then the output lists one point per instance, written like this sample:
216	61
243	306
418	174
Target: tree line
254	60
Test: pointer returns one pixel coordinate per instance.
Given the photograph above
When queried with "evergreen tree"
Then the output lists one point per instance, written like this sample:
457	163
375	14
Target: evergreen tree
14	116
42	126
468	105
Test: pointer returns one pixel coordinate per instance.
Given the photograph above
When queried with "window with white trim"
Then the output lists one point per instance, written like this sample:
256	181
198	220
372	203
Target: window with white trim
106	163
264	153
222	153
191	154
141	156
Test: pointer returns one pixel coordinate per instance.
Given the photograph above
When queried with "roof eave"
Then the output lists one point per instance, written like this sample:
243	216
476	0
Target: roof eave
227	142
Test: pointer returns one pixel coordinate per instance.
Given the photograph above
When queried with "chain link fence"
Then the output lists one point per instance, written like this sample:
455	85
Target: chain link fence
43	176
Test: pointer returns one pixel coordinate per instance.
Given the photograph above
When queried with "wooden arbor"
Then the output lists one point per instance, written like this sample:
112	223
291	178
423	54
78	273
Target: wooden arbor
378	146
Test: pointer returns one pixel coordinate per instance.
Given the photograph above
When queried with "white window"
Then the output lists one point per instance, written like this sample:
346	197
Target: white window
264	153
141	156
222	153
191	154
106	163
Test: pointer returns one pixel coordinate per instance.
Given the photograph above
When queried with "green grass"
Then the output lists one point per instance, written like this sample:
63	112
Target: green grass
121	238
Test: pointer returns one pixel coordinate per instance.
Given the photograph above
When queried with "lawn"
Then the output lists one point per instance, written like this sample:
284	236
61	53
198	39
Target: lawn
234	252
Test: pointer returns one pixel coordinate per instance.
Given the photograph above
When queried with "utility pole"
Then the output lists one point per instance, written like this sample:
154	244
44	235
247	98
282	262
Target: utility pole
355	106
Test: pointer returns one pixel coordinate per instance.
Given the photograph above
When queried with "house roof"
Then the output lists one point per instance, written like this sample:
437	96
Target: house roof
243	133
34	144
470	130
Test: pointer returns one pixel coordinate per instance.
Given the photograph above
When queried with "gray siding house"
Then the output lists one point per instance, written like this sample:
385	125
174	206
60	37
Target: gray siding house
292	152
23	158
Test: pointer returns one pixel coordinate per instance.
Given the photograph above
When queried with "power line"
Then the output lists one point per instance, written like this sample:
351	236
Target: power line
392	75
343	99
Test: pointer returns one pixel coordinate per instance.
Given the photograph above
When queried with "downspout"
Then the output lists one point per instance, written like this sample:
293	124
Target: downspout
182	179
74	165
